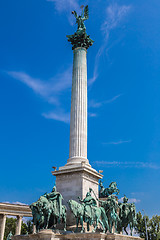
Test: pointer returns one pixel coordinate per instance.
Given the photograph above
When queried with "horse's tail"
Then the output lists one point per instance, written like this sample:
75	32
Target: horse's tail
104	218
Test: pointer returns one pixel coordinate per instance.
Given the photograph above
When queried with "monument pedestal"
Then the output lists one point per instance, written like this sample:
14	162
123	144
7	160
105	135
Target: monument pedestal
49	235
74	181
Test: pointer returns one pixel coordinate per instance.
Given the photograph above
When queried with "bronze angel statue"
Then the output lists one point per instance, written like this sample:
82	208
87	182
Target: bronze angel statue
81	18
80	37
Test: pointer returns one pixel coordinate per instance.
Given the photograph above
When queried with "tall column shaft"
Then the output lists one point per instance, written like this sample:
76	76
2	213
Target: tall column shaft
2	225
78	122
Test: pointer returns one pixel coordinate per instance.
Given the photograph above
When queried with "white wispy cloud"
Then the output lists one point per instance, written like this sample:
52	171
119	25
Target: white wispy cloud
130	200
114	14
66	6
113	17
50	90
118	142
58	115
126	164
94	104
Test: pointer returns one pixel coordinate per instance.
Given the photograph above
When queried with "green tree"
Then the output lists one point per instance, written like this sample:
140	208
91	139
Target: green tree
10	226
30	227
153	226
27	227
24	228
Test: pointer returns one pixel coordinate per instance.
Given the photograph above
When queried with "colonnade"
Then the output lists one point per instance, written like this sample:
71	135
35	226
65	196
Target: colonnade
18	225
17	210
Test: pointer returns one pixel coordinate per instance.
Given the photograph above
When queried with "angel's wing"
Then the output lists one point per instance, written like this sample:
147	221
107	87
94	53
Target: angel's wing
75	14
86	12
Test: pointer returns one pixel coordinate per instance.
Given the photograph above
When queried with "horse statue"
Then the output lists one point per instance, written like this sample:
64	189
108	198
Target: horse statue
127	214
89	213
38	217
105	192
111	209
132	217
48	211
46	208
98	213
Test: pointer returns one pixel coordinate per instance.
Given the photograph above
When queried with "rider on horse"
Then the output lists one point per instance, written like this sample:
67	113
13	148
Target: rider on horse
125	207
89	204
56	199
105	192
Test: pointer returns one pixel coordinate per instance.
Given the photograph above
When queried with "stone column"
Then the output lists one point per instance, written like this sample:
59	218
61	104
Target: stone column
19	224
2	225
78	122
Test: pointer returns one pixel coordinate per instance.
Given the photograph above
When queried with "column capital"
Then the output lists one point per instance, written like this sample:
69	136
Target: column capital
3	214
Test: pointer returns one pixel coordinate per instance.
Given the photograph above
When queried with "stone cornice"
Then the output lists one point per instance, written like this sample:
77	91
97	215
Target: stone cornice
77	168
15	209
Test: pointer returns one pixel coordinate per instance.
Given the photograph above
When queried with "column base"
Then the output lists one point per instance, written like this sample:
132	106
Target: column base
75	161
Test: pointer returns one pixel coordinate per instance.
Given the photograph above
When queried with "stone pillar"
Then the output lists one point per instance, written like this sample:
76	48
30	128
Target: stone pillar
78	122
19	224
2	225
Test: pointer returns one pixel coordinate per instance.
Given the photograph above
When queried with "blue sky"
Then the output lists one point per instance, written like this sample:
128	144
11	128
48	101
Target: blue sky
123	95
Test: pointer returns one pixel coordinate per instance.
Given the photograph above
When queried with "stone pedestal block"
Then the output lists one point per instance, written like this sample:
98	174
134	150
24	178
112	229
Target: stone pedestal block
49	235
73	182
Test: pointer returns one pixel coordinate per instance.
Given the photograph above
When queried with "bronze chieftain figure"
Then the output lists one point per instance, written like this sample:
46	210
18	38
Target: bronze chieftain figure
56	199
111	208
48	210
89	213
127	215
119	214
